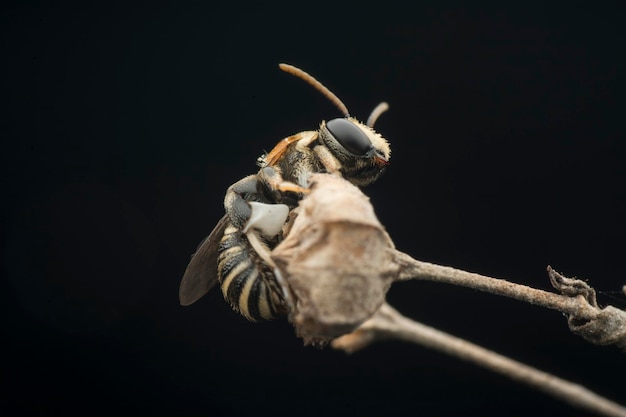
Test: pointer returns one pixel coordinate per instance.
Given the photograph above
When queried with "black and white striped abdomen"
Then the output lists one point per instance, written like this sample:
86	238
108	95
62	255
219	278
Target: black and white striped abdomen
247	283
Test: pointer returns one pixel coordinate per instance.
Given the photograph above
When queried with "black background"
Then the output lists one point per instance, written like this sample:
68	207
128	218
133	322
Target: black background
126	122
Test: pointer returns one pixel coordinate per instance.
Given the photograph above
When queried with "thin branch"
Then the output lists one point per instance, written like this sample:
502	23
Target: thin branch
414	269
388	323
601	326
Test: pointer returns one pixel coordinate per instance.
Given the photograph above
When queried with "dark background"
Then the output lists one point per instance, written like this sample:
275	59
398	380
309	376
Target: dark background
126	123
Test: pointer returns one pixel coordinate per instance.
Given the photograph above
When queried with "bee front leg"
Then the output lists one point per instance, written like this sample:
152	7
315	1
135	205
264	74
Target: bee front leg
276	183
244	206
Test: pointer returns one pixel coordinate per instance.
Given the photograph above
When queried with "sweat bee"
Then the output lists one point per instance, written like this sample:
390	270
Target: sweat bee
257	207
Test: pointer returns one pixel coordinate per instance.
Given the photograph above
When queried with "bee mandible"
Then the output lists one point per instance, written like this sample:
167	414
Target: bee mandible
257	207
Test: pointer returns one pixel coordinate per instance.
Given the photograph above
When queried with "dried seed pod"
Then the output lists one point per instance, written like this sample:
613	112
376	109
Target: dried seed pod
336	262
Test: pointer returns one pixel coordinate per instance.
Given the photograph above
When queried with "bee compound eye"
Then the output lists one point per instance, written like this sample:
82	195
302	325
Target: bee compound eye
349	136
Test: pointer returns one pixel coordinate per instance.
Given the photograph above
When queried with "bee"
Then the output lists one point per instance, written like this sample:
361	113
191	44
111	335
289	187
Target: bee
235	253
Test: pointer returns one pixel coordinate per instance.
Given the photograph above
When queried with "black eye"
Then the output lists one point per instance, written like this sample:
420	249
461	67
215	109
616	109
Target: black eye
349	136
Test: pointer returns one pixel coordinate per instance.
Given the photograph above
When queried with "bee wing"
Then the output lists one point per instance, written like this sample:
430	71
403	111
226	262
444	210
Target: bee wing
201	273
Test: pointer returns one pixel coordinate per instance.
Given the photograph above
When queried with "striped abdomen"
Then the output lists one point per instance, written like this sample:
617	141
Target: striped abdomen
248	284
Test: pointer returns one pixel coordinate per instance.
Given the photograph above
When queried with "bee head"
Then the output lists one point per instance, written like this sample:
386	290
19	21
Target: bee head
362	152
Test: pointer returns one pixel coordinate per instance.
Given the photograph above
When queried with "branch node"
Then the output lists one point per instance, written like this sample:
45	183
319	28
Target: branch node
572	287
603	327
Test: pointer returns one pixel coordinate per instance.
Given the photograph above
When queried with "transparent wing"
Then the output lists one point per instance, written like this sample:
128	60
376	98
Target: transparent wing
201	273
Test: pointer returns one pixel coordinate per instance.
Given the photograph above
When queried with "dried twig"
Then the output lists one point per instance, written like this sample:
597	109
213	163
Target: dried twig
601	326
337	263
387	323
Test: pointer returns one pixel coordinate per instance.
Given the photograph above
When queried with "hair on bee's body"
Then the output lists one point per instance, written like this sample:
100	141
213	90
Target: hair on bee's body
257	207
247	283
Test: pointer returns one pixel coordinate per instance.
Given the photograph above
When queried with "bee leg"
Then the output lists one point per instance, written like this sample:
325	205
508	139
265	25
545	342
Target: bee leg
246	213
275	182
236	200
330	163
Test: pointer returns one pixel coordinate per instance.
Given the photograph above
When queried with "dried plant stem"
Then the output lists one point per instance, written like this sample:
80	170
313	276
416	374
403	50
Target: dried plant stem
387	323
601	326
336	264
413	269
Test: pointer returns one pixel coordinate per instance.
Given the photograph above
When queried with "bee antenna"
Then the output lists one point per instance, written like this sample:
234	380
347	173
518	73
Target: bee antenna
378	110
317	85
